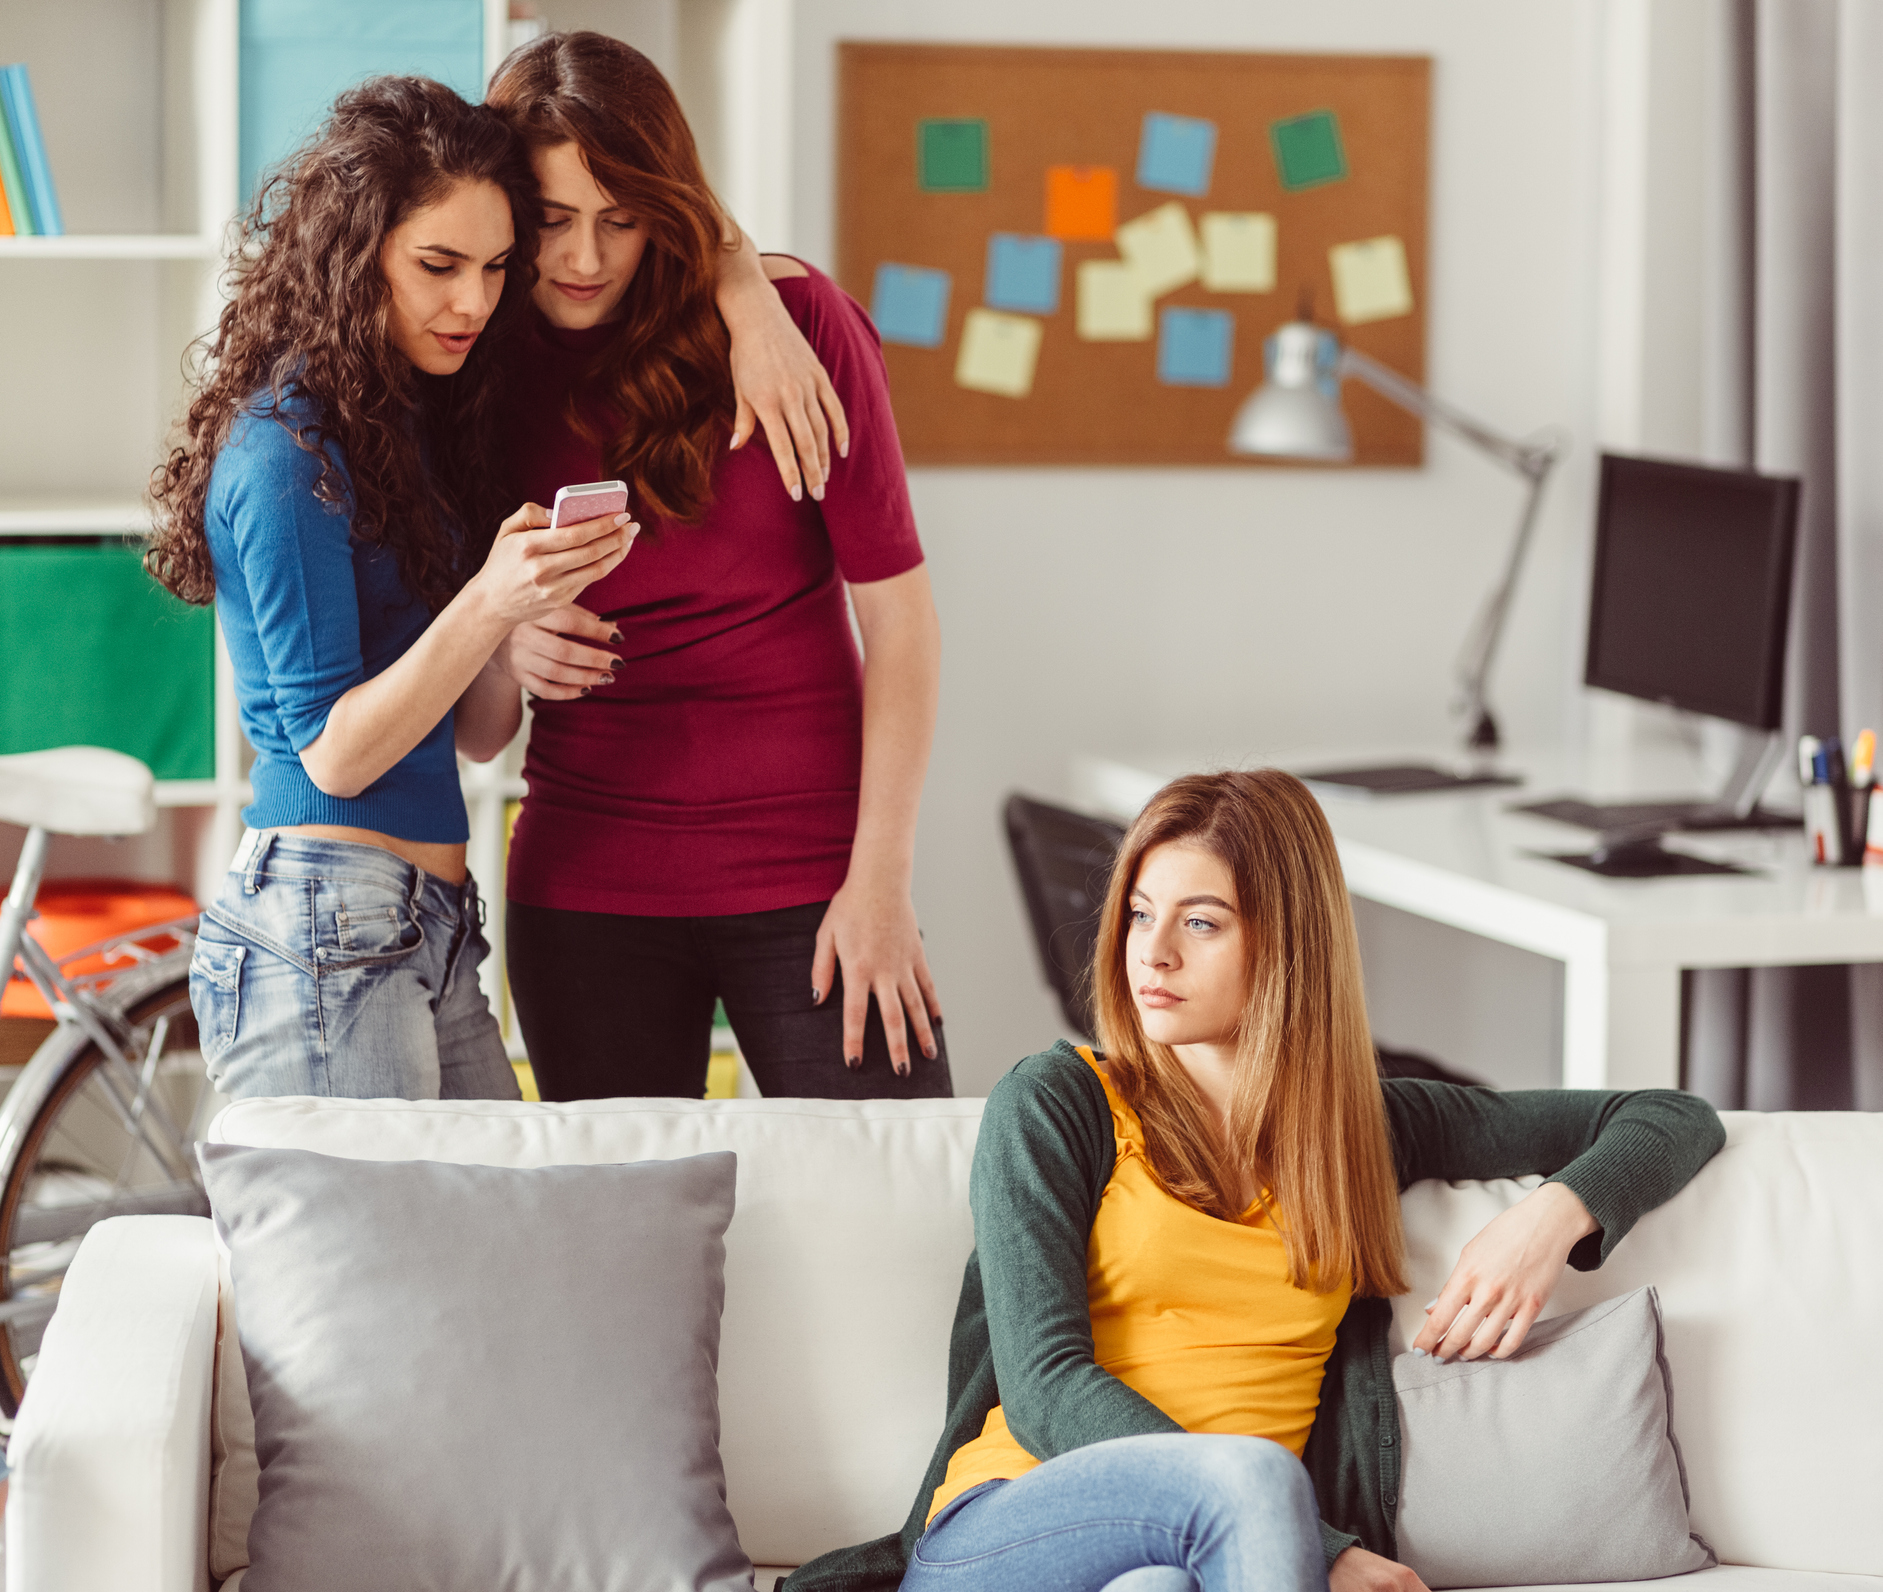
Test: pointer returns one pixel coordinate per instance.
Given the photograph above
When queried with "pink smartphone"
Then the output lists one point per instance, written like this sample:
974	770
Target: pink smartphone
575	504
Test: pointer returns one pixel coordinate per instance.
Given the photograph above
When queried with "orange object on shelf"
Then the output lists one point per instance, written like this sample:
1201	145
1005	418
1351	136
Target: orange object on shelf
74	913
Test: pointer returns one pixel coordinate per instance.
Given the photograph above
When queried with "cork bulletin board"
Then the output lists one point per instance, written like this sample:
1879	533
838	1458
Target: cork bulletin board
1074	256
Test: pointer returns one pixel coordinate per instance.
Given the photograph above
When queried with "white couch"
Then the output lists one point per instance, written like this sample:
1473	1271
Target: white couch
131	1471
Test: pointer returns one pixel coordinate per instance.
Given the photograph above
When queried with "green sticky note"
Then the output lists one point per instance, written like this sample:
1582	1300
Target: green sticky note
951	155
1307	150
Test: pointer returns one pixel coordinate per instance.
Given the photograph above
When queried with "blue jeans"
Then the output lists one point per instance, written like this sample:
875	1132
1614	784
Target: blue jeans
327	967
1178	1513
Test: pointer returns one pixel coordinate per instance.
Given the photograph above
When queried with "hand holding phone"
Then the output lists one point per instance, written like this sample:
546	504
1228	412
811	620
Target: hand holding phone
523	579
596	499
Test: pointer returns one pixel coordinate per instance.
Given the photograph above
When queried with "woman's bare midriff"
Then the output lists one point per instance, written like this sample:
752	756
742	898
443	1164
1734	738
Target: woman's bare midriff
442	861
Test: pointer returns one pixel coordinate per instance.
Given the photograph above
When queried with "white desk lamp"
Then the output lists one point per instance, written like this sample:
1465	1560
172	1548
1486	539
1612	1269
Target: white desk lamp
1296	414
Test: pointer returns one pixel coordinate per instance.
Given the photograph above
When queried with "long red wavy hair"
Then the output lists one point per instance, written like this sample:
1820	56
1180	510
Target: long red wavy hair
1307	1122
667	371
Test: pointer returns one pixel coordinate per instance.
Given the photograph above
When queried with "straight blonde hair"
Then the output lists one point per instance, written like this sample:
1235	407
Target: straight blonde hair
1307	1122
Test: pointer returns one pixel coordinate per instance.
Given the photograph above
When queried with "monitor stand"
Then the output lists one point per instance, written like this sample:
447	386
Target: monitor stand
1736	807
1403	779
1639	859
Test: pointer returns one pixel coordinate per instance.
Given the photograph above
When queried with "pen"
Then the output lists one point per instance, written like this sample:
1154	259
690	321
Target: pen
1807	760
1863	758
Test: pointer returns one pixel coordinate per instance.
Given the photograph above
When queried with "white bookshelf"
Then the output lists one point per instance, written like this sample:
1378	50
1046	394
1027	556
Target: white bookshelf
113	246
72	516
138	99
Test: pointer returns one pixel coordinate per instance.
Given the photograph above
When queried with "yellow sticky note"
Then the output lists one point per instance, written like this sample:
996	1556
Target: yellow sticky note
1371	282
1238	251
1160	246
998	353
1113	306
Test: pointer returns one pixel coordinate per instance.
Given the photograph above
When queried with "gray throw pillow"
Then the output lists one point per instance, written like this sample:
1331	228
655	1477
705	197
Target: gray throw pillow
475	1376
1558	1465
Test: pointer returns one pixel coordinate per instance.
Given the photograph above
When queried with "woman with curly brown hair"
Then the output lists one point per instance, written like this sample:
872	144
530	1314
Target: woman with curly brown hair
334	495
722	795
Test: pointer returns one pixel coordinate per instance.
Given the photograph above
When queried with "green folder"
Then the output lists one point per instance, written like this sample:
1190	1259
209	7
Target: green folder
98	654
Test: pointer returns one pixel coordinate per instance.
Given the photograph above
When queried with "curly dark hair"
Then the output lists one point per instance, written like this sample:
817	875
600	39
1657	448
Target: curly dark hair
310	310
667	372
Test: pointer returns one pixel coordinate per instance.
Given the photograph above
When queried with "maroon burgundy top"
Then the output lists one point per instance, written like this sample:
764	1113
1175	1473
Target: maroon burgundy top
719	772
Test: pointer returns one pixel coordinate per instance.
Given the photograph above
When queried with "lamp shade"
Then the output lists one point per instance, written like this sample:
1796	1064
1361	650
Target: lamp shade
1295	413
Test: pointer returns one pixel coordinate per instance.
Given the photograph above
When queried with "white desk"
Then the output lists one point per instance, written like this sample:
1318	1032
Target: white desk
1464	860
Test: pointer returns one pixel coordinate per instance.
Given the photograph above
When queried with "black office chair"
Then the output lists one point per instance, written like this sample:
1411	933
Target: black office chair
1064	860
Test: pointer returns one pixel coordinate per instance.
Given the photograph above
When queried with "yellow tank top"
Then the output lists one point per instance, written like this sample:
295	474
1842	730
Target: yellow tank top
1194	1313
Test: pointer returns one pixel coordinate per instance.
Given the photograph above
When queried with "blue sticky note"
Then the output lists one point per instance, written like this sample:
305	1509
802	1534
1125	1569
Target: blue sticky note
1194	347
1175	154
1023	273
910	305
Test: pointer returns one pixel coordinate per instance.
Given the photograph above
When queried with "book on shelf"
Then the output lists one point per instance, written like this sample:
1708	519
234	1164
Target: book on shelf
13	183
30	197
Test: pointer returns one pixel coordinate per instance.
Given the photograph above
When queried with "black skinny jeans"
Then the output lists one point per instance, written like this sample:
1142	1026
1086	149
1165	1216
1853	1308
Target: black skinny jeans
613	1005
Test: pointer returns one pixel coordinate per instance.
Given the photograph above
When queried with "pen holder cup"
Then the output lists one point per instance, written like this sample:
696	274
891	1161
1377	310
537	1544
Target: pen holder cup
1837	821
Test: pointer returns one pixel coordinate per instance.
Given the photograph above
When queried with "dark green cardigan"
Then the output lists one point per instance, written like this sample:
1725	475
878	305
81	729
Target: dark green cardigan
1044	1156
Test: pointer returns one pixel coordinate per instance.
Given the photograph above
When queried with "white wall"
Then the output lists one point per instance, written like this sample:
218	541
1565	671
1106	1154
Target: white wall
1228	613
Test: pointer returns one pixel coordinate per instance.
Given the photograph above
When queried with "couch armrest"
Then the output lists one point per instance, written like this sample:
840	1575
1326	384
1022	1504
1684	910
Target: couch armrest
110	1454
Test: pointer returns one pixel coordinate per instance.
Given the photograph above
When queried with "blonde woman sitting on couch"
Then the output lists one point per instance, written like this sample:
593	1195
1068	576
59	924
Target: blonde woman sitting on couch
1169	1368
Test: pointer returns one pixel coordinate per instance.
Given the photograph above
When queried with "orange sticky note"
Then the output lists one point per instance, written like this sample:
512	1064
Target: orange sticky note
1081	203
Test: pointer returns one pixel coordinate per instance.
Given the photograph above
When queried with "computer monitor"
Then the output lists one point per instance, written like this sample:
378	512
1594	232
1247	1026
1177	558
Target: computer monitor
1689	604
1691	594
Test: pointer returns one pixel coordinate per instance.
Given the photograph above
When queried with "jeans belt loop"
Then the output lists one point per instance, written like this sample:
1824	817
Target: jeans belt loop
257	853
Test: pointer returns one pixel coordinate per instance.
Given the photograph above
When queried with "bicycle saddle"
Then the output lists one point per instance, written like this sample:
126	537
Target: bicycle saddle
77	790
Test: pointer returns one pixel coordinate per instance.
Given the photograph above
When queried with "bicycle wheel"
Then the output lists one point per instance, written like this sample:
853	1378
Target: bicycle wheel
106	1140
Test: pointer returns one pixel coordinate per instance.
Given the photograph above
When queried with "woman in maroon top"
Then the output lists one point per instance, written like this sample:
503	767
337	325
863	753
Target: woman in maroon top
722	795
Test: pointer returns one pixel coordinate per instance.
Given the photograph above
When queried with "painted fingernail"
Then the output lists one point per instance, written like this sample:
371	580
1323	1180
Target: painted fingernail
853	1062
613	664
1420	1354
584	690
903	1070
615	637
930	1051
797	494
817	494
843	450
1429	1303
816	994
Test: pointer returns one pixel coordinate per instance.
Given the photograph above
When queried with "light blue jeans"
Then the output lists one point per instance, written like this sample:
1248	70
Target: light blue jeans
327	967
1181	1513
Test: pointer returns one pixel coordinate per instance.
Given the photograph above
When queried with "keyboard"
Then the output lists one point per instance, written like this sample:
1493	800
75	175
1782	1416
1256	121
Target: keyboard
1669	816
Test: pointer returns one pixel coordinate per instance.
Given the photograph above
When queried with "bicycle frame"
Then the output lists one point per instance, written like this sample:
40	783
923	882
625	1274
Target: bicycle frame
82	1008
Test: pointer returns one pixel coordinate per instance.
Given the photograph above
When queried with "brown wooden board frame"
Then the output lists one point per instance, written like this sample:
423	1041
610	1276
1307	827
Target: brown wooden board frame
1098	403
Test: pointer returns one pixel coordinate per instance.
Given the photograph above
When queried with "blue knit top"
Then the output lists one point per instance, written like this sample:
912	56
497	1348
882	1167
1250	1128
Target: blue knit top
308	612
